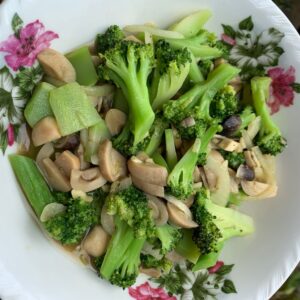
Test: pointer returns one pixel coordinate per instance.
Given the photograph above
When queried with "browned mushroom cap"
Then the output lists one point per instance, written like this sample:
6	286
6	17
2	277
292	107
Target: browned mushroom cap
67	162
45	131
107	221
180	217
111	163
96	242
115	120
56	65
254	188
46	150
149	188
54	177
87	180
148	171
158	210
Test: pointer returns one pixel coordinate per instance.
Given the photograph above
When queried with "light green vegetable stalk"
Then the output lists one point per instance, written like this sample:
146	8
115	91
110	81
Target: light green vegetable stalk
81	60
91	139
72	108
31	182
192	24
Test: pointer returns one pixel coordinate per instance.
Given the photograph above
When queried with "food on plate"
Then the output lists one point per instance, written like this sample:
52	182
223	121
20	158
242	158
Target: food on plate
146	145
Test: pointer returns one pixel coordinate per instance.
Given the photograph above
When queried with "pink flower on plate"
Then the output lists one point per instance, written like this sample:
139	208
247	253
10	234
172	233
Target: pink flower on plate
216	267
228	40
10	135
23	51
146	292
282	92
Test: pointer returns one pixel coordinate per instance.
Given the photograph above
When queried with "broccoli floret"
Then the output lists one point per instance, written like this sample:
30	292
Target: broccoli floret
121	262
124	142
216	223
70	226
270	139
205	140
128	65
224	104
206	66
169	237
235	159
109	39
131	206
172	68
149	261
225	48
199	96
180	180
201	45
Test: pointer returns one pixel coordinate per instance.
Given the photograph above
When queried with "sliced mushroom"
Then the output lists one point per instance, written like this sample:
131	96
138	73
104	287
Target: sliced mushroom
96	242
152	272
82	195
45	131
47	150
234	182
254	188
115	120
158	210
246	140
51	210
216	155
69	142
211	178
87	180
219	61
111	163
236	83
55	178
107	221
149	188
56	65
133	38
148	171
177	138
220	168
228	145
67	161
189	201
179	218
96	60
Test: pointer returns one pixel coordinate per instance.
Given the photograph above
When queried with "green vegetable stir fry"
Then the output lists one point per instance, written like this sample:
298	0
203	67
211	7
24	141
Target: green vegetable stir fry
146	145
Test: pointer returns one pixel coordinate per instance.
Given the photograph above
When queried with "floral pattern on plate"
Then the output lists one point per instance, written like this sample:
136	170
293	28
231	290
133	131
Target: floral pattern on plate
256	54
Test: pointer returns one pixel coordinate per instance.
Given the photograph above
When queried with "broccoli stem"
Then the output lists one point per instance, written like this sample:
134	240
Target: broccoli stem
179	109
195	73
91	139
156	134
270	139
117	248
159	160
260	92
208	260
180	180
120	101
171	155
205	140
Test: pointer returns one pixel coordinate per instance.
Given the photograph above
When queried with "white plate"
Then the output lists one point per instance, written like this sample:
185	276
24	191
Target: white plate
262	261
